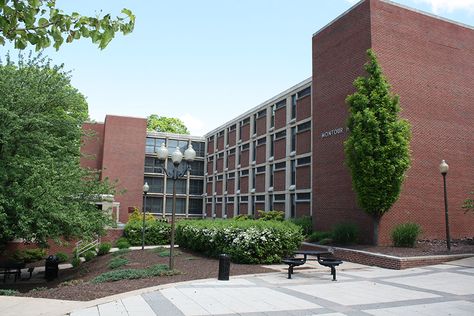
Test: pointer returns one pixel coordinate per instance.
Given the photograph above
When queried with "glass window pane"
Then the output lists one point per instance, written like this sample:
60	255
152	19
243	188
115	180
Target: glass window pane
195	206
196	187
197	168
180	205
180	186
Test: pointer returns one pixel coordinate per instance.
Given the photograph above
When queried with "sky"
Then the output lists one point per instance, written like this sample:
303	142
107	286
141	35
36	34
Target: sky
206	61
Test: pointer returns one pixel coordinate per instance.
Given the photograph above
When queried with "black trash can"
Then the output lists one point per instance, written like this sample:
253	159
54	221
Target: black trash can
224	267
51	268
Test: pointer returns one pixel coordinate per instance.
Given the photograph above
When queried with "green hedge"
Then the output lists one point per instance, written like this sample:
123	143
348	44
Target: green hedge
156	232
249	241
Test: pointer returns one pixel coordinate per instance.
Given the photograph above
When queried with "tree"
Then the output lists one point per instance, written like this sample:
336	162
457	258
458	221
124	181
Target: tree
166	124
44	193
39	22
377	149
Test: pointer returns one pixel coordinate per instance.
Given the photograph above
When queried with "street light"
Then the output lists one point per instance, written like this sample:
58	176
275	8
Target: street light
175	173
443	168
146	187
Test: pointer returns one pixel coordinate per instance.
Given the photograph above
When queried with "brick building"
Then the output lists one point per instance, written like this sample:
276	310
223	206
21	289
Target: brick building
287	153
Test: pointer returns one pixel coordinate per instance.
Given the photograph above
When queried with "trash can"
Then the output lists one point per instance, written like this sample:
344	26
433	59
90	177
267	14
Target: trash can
224	267
51	268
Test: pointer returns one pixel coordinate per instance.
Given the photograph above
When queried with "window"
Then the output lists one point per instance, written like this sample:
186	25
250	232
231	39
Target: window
293	139
262	113
231	175
180	187
180	205
261	169
230	199
254	150
272	118
196	187
219	200
220	155
260	198
254	177
244	173
153	165
244	199
156	184
197	168
279	198
231	152
292	205
209	200
303	197
280	104
210	139
220	177
199	147
173	144
210	158
195	206
280	165
154	204
293	172
272	168
304	126
245	121
281	134
262	141
252	204
152	144
244	147
304	92
231	128
238	183
303	161
255	124
221	133
293	106
272	145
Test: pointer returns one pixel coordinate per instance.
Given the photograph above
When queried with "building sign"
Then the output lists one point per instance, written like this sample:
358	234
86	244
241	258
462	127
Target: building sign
333	132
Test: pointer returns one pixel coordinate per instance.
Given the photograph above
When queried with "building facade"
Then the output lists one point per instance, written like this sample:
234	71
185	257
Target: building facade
287	153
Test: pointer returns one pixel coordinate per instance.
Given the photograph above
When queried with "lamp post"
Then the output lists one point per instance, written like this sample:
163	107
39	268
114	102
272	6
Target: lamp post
443	168
174	174
146	187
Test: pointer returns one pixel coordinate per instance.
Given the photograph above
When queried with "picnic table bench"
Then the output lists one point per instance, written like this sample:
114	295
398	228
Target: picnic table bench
11	267
322	256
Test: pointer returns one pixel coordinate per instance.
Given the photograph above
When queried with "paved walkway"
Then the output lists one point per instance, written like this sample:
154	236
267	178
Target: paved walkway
446	289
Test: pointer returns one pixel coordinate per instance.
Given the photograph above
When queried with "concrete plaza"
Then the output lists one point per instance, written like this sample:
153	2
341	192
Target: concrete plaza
446	289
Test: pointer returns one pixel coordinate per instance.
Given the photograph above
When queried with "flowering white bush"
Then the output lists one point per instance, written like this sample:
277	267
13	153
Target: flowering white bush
245	241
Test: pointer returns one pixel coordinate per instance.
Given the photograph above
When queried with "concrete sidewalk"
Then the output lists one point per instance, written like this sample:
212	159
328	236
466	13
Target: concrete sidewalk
446	289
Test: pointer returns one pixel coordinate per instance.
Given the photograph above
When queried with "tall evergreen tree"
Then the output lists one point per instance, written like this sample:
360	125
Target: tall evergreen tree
377	150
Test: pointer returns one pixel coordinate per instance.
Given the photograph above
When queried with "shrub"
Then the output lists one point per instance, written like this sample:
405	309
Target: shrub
242	217
156	232
76	262
317	236
104	248
128	274
271	215
345	233
249	241
29	255
305	222
405	235
62	257
117	262
137	216
122	243
6	292
89	255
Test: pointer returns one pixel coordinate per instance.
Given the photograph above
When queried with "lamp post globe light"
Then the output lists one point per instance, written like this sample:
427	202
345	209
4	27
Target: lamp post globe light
174	172
443	169
146	187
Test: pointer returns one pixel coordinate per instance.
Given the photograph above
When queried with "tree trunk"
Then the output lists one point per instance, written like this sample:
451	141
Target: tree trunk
376	230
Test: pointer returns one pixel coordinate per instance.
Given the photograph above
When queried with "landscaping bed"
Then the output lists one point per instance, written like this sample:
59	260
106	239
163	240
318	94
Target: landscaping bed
77	283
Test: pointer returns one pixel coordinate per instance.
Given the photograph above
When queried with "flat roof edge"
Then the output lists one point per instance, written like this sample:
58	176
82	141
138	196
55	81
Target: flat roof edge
338	17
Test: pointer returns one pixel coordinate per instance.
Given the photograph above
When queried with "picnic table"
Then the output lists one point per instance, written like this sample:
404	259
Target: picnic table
9	267
322	256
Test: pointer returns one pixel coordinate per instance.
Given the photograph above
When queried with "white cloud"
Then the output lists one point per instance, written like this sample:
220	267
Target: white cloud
196	126
438	6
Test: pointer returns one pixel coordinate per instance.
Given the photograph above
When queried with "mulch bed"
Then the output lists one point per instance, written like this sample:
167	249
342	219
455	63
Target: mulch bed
78	288
422	248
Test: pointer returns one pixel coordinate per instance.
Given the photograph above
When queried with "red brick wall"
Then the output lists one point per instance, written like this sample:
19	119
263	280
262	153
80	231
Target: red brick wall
244	184
92	145
210	147
303	142
219	187
303	209
261	126
339	53
279	206
261	154
303	177
220	143
244	158
220	165
260	183
245	133
430	64
123	159
303	108
209	189
231	162
231	186
280	148
279	180
232	138
280	118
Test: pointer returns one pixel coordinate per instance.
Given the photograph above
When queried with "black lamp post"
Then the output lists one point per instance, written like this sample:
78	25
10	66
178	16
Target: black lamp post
146	187
174	174
443	168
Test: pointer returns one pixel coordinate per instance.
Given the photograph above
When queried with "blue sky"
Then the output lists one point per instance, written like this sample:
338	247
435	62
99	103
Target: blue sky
205	61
